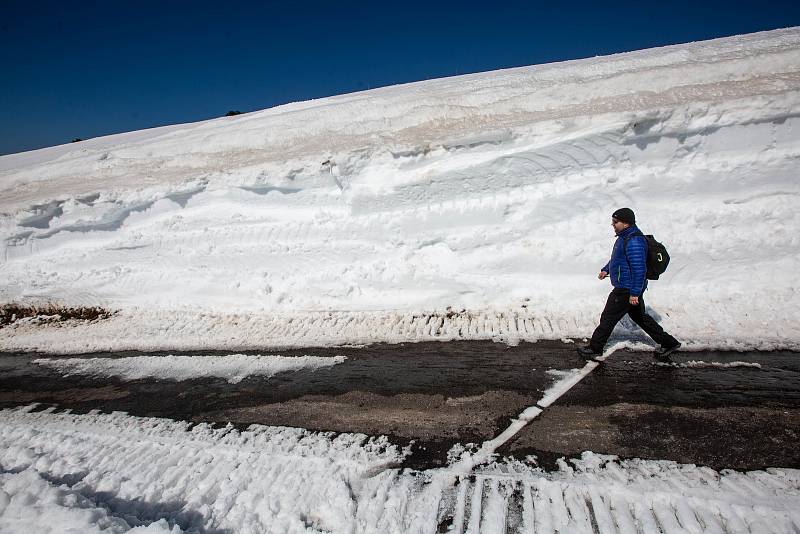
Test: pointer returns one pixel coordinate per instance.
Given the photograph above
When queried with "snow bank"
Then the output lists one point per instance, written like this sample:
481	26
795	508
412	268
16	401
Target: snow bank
234	367
92	470
474	207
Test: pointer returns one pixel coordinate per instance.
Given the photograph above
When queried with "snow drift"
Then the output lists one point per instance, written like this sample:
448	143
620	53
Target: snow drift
461	208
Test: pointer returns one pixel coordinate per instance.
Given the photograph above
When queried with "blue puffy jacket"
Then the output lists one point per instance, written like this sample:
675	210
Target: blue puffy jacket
629	271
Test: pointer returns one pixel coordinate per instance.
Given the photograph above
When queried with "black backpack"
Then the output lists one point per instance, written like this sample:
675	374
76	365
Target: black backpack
657	255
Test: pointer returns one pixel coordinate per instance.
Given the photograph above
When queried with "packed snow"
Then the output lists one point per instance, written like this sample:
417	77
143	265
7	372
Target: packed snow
234	368
101	472
474	207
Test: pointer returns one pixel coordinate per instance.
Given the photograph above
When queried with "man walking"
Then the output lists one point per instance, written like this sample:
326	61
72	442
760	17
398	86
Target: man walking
627	270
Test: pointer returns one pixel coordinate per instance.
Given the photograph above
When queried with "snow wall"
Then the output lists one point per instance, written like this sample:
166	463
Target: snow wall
473	207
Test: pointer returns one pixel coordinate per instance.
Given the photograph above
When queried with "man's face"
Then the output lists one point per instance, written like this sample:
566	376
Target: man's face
618	225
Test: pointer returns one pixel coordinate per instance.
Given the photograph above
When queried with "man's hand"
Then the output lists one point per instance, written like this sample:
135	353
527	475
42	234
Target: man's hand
634	300
602	275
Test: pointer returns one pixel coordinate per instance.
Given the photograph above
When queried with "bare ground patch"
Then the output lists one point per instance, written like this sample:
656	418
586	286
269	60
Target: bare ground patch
407	415
49	313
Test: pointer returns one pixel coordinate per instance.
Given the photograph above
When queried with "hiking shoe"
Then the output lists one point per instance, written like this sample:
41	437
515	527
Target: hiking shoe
662	353
587	353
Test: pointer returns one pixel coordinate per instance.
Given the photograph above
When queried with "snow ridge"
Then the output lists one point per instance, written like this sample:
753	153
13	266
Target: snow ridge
186	331
694	364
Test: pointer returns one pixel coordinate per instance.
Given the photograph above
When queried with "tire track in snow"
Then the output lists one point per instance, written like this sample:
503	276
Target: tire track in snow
615	498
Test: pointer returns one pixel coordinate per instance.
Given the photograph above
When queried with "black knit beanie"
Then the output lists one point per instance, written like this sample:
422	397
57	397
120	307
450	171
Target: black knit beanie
625	215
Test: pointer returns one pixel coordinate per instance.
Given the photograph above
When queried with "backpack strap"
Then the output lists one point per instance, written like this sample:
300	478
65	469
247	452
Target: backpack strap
625	247
628	238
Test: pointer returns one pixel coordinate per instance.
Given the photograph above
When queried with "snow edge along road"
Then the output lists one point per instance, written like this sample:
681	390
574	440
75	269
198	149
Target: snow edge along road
187	331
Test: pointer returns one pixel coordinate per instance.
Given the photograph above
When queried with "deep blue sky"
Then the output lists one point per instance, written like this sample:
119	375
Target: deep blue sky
85	69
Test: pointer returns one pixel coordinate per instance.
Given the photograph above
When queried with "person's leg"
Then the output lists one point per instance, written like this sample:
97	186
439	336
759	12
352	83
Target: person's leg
616	307
650	326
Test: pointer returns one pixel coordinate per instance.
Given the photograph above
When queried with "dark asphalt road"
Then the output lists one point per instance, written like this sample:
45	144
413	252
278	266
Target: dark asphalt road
438	394
737	418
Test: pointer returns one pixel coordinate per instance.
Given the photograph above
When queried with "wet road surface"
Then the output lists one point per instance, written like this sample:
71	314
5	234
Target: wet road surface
738	417
437	394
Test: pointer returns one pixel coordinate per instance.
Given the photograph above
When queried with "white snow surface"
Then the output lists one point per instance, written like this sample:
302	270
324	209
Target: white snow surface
473	207
234	367
105	472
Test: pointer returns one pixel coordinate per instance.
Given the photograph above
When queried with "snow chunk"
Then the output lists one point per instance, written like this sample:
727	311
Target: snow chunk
699	364
29	503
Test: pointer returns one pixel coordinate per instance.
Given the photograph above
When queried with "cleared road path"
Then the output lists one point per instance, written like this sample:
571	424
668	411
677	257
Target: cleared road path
723	410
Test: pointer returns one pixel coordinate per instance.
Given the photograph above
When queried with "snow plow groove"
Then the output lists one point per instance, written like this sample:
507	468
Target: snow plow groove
520	504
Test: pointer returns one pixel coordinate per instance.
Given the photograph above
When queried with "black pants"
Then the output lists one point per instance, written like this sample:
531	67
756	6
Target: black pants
616	308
